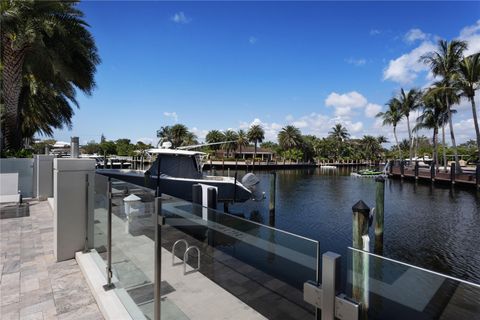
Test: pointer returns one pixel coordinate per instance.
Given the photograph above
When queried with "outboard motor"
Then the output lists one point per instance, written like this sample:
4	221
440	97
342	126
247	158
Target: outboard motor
251	182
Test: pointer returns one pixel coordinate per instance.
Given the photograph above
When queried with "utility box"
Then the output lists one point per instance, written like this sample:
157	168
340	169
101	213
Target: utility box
73	191
43	176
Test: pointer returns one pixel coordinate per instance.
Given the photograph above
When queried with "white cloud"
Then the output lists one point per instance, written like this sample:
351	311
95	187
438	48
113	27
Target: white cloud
172	115
405	69
415	34
374	32
471	34
344	103
201	134
351	99
356	62
147	140
252	40
372	109
181	18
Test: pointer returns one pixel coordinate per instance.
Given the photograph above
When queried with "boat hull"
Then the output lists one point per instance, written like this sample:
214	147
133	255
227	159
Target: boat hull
180	187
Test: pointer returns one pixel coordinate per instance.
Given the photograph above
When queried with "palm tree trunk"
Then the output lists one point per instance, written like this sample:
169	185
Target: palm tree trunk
452	136
435	146
444	149
11	89
475	121
396	141
411	140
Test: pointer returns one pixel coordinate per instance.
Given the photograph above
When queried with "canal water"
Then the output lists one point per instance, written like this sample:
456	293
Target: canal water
437	228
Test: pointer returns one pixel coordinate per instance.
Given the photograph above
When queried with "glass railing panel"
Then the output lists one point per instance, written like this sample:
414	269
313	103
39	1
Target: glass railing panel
250	266
133	234
396	290
100	211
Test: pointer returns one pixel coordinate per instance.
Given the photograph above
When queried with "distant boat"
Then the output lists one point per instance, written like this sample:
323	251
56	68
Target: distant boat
179	170
368	173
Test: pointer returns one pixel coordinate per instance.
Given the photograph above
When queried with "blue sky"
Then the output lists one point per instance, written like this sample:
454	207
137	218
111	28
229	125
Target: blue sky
221	65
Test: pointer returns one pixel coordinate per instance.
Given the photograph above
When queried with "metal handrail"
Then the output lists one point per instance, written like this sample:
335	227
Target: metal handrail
173	248
185	258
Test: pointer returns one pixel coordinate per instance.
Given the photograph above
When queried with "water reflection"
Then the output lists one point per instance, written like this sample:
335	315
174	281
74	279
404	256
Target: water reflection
433	227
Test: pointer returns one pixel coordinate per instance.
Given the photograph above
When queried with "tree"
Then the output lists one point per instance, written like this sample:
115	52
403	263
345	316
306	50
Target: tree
124	147
47	53
371	147
289	137
141	148
445	63
392	117
409	101
179	133
91	147
107	147
256	134
242	139
215	136
431	118
468	81
230	141
339	132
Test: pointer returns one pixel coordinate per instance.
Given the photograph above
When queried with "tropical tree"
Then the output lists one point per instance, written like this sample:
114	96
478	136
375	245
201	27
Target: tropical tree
230	141
47	54
339	132
468	81
215	136
179	133
431	118
289	137
410	101
371	147
189	139
242	139
445	63
392	117
256	134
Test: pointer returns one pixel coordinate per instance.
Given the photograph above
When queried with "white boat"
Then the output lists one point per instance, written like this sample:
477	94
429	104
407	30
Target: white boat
179	170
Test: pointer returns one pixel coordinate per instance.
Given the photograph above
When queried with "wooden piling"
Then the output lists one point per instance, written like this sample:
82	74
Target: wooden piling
416	170
379	214
432	172
402	169
360	275
271	206
452	173
477	176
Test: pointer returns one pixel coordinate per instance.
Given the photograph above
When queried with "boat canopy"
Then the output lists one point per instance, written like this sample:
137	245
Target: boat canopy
178	164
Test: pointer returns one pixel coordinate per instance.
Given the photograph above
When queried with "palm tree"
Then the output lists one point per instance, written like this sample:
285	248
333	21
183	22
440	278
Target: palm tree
189	139
178	134
215	136
289	137
445	62
231	141
256	134
392	117
242	139
339	132
467	81
409	101
431	118
371	147
46	43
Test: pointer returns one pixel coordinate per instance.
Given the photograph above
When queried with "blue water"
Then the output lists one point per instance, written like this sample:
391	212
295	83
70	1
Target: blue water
432	227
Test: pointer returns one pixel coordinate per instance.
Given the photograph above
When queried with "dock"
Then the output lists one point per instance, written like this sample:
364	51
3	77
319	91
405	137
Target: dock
468	179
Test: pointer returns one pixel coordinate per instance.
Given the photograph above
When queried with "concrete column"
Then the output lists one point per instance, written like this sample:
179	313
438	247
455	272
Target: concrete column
73	206
43	176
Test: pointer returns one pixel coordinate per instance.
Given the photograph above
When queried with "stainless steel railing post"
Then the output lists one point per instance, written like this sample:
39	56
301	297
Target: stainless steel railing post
87	212
109	284
159	221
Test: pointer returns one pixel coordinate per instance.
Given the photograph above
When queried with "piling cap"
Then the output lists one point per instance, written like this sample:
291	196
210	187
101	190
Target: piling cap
360	207
131	198
380	179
